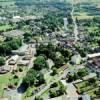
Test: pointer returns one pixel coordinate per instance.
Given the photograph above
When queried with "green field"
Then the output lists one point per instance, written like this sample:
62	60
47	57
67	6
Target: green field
4	80
88	88
6	27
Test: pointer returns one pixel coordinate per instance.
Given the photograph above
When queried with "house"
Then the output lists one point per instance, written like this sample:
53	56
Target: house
23	62
90	56
16	19
4	69
13	60
13	33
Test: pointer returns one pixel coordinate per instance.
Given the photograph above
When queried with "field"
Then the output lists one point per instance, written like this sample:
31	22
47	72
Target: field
6	27
4	80
6	2
82	15
88	88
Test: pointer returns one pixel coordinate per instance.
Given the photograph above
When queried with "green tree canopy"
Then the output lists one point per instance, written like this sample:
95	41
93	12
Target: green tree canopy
40	63
2	61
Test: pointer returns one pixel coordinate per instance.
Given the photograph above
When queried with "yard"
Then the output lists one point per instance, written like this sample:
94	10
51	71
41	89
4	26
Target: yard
4	80
6	27
10	78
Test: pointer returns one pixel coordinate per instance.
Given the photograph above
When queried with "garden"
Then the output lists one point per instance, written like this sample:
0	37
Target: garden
88	87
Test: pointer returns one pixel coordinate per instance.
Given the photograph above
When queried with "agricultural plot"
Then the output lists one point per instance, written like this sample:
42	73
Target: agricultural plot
6	27
88	88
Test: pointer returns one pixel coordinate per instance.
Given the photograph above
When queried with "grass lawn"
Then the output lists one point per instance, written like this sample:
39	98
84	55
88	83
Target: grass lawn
83	15
4	80
6	27
28	93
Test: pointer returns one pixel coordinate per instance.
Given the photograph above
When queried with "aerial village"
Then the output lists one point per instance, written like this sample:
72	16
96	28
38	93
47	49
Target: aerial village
49	50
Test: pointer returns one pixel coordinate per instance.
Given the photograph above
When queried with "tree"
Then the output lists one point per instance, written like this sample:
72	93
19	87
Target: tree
27	37
82	72
92	80
2	61
42	49
40	79
15	43
98	92
70	78
62	90
59	61
30	77
53	93
54	85
40	63
5	49
75	77
54	71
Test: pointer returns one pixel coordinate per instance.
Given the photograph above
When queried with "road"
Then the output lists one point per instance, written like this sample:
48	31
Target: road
48	86
74	21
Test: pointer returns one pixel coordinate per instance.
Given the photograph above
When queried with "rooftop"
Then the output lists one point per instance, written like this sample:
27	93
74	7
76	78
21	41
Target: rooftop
14	33
93	55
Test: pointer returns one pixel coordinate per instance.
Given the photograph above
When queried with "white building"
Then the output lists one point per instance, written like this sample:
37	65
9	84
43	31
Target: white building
65	23
13	60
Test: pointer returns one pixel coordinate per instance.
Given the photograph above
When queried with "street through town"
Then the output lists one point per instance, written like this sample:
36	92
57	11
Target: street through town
74	22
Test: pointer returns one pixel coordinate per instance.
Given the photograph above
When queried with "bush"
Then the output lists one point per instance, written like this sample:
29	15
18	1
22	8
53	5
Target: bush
92	80
16	83
53	93
38	98
54	71
20	69
54	85
15	77
2	61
